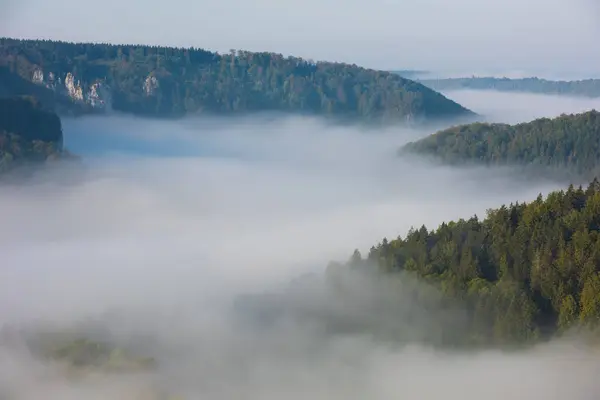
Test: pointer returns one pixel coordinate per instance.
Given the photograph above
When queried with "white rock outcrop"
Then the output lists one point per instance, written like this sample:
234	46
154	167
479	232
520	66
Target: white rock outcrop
51	82
73	89
98	95
93	96
150	85
38	77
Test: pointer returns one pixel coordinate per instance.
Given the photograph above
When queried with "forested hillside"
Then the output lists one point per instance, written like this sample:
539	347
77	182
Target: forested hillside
581	88
568	142
172	82
526	272
28	133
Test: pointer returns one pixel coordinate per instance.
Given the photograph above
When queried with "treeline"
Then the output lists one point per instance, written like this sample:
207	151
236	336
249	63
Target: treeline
171	82
28	133
581	88
526	271
568	142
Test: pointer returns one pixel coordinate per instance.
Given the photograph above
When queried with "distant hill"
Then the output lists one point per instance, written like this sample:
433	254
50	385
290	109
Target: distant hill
568	143
581	88
29	134
172	82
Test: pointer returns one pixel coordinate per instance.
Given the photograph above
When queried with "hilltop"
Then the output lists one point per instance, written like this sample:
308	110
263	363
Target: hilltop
568	143
172	82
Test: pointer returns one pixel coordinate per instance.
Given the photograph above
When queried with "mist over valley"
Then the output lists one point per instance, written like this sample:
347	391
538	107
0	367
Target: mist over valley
257	200
171	221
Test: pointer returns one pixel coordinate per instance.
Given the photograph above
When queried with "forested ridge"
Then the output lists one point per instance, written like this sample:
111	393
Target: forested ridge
172	82
580	88
526	272
29	134
568	142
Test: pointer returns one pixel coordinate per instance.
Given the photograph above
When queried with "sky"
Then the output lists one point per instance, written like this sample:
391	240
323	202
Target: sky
551	38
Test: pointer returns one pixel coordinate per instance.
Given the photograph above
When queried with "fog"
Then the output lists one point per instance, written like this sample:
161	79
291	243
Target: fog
511	73
170	221
495	106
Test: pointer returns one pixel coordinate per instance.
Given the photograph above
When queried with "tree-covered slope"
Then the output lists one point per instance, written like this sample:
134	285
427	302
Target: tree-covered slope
580	88
171	82
29	134
527	272
568	142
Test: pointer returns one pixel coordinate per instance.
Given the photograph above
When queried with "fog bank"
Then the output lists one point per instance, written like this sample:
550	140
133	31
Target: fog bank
170	221
495	106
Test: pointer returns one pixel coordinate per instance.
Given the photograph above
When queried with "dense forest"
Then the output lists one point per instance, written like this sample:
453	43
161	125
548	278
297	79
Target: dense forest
172	82
526	269
581	88
568	142
526	272
29	134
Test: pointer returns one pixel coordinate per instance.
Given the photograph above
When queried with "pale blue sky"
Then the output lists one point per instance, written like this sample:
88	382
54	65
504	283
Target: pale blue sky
460	35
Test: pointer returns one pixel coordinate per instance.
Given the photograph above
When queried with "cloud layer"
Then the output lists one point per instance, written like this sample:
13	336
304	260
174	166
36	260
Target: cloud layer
170	221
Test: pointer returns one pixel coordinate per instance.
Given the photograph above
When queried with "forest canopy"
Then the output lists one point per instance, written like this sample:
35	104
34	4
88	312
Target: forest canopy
568	143
525	273
172	82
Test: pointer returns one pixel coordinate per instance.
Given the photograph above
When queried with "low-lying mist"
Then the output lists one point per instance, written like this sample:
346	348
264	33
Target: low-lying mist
551	74
495	106
150	246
